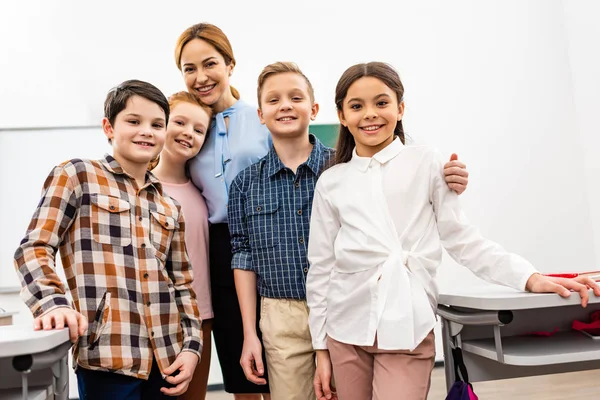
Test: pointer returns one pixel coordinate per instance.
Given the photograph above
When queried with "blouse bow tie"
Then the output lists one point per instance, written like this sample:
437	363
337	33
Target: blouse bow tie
222	155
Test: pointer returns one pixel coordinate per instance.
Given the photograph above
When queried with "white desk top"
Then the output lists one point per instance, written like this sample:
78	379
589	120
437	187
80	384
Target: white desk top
22	339
495	297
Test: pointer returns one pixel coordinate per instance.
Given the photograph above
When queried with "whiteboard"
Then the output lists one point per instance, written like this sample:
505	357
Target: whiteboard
26	159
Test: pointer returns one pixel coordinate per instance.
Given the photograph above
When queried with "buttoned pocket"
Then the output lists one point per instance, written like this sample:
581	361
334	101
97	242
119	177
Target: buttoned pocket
161	232
111	220
263	226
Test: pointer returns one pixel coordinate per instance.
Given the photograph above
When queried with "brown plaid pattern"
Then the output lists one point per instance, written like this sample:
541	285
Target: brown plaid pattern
123	252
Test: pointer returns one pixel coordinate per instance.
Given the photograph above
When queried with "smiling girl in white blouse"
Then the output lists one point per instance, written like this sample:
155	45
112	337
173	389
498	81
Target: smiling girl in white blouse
379	220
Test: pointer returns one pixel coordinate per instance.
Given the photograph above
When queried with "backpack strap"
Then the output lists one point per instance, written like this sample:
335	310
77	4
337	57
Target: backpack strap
460	369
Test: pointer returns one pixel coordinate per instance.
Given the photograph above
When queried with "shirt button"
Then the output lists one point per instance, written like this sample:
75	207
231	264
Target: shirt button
148	304
167	223
299	212
152	333
297	184
143	245
140	218
301	240
259	208
146	275
306	270
112	207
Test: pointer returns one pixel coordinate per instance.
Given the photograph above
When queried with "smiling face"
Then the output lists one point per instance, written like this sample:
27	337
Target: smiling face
186	131
137	134
371	112
206	74
286	107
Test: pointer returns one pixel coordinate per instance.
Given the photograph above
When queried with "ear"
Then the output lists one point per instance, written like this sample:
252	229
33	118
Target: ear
341	118
400	110
230	69
107	129
314	111
260	116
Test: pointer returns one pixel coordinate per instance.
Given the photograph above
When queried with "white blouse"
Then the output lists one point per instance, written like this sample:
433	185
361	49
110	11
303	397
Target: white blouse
377	229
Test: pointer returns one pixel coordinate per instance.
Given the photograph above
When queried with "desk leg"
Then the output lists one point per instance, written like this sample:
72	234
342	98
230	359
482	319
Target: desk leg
448	360
61	374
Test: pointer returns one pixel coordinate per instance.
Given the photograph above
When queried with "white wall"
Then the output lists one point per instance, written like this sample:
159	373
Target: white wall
511	86
582	31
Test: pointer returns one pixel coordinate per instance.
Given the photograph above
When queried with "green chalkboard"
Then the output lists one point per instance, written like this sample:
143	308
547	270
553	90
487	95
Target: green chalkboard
327	133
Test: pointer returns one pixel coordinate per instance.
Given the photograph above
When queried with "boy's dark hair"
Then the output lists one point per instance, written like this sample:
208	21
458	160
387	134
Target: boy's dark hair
117	98
386	74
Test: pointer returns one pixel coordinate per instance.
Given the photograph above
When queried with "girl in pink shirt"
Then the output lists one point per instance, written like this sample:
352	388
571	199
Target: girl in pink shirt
186	131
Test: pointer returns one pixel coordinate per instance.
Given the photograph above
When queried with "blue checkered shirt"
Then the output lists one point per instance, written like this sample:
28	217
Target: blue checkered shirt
269	217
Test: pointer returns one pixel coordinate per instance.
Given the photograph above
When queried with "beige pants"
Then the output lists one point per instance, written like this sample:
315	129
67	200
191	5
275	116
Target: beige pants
288	348
365	372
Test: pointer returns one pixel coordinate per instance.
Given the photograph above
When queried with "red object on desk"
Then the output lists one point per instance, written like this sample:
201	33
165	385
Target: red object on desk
595	275
562	275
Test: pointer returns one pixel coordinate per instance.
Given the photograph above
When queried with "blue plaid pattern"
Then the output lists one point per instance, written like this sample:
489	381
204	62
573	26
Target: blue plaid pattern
269	217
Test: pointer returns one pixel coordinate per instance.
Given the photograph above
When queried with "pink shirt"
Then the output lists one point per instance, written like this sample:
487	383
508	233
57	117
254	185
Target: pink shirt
195	214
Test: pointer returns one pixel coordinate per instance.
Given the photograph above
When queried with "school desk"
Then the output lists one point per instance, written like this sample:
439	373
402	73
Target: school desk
493	325
33	363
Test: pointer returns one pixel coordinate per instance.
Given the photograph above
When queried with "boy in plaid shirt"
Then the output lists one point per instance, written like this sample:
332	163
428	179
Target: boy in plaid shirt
121	242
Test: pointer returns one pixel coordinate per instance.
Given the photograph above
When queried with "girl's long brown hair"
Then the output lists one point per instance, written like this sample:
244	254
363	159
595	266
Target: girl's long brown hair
382	71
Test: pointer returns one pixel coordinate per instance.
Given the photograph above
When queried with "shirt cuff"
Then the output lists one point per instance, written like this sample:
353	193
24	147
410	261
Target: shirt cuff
523	284
192	345
320	344
243	261
49	303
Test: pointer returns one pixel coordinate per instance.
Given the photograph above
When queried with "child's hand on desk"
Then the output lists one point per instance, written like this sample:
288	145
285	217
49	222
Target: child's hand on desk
60	318
538	283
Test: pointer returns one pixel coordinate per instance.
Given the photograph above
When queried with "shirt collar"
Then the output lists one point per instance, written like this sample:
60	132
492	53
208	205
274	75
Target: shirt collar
382	157
112	165
274	164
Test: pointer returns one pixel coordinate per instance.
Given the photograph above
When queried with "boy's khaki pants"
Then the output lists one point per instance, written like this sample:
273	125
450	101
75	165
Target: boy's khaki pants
288	348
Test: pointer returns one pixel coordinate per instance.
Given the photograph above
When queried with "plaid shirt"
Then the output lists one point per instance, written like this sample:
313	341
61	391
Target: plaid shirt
269	217
123	253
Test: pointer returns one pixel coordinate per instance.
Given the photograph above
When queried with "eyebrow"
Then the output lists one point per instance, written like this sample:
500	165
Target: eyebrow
279	91
376	97
201	62
139	116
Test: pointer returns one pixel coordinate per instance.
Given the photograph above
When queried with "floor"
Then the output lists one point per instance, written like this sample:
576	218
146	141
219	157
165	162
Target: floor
576	385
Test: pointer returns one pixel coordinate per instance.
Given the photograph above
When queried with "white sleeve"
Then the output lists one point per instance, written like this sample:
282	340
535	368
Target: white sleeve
324	226
464	242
